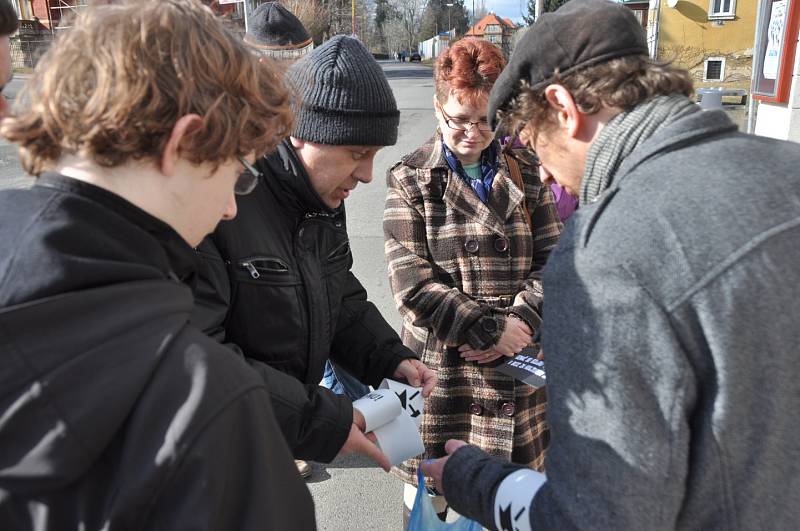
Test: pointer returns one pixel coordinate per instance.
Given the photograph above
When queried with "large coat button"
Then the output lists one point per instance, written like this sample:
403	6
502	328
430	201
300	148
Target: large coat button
476	409
508	409
501	245
471	246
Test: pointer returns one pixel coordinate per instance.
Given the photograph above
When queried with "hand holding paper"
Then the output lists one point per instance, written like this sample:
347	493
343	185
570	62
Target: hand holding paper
364	443
417	374
392	414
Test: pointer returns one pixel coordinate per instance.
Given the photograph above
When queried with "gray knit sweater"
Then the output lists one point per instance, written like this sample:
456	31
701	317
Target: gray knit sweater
672	336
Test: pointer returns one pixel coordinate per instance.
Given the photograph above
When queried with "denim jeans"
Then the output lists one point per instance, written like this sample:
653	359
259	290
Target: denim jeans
342	382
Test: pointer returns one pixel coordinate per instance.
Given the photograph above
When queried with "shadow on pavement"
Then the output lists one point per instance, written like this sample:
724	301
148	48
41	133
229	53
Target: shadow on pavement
409	73
319	471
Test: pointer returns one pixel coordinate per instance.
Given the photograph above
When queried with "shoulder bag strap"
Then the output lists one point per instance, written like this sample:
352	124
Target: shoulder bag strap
516	177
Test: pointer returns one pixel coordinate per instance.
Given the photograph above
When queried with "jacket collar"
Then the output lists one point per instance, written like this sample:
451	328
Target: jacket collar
685	131
428	156
181	262
289	179
690	129
504	198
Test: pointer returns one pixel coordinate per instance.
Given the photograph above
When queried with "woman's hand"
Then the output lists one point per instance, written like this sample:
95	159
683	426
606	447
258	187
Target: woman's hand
515	337
480	356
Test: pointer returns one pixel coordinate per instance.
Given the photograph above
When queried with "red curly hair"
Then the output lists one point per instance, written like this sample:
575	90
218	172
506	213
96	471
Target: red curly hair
468	69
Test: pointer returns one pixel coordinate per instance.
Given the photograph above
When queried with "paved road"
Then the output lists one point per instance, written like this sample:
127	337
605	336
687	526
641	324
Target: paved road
350	494
11	174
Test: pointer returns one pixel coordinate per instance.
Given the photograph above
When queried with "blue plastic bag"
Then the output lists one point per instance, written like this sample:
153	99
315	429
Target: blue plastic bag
423	515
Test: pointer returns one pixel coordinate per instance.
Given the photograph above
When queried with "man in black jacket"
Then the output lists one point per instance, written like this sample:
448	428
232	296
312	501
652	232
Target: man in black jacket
115	412
278	281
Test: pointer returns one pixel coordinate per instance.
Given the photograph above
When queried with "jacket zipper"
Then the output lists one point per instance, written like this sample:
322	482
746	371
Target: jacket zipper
251	269
268	264
309	320
312	215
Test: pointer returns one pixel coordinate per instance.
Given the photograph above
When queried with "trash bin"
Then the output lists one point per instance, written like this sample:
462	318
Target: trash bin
710	98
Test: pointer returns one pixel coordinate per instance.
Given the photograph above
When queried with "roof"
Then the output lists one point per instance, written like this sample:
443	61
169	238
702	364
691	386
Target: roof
480	28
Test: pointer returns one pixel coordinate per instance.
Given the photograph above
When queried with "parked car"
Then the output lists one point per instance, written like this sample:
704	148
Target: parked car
415	57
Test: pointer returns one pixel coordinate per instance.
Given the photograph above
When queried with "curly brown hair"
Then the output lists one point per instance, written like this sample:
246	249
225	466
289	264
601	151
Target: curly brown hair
112	88
468	69
619	83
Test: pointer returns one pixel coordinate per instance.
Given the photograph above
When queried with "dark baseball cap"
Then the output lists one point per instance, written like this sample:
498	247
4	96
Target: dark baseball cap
579	34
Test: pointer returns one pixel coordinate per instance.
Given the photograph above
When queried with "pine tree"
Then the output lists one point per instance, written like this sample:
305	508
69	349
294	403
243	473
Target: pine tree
459	17
552	5
549	7
439	18
530	18
382	12
431	20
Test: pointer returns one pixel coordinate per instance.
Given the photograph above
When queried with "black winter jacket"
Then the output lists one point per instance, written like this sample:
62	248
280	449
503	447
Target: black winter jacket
116	413
277	284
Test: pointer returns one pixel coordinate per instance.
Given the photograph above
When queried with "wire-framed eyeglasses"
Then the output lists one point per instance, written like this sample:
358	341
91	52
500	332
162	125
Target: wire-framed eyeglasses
459	124
247	180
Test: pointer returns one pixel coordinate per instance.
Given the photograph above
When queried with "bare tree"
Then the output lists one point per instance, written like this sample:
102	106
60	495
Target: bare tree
480	10
394	35
364	24
410	12
339	16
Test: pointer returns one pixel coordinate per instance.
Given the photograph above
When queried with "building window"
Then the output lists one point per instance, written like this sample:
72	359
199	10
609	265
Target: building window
640	12
721	9
714	69
493	28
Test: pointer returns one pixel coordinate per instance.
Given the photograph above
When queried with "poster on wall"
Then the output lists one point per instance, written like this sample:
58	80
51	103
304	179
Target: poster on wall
777	24
774	54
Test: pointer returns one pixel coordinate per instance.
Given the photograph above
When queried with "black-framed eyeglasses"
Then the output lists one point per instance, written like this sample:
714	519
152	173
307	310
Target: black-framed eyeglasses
458	124
247	180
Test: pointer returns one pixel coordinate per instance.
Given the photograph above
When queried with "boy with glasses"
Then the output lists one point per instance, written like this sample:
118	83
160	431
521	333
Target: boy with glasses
117	412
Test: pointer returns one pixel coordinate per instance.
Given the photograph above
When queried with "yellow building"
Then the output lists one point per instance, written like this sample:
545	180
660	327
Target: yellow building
713	39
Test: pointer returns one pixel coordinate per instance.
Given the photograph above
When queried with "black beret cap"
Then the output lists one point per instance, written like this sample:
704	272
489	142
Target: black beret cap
581	33
272	27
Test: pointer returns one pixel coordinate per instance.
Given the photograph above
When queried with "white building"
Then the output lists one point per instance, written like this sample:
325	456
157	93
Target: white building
431	48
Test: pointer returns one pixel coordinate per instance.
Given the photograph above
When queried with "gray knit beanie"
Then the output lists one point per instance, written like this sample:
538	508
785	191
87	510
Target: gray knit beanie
343	96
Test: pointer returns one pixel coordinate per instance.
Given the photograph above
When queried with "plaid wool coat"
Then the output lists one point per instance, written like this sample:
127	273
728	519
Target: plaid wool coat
452	259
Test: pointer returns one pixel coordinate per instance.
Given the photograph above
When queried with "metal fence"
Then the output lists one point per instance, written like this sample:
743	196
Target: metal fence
26	49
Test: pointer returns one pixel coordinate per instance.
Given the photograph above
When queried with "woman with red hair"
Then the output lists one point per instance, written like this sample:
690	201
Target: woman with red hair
468	228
